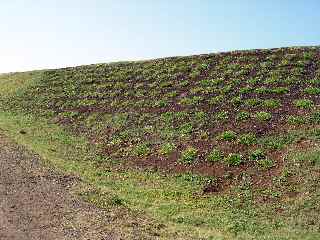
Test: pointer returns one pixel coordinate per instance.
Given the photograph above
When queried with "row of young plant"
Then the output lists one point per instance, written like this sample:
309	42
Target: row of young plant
257	149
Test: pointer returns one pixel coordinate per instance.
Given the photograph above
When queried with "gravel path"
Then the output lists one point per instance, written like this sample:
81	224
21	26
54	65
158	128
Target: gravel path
35	203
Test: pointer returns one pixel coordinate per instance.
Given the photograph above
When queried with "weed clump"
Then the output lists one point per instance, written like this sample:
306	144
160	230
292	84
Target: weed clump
252	102
271	103
280	90
233	159
215	156
222	115
315	117
228	135
216	100
263	116
257	154
142	150
167	148
185	129
189	155
303	103
248	139
312	90
296	120
265	164
242	116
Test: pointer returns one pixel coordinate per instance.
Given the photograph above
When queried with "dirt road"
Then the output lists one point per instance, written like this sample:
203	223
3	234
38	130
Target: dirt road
35	203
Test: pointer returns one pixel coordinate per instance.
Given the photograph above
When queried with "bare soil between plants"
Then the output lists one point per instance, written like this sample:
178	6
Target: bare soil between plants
36	203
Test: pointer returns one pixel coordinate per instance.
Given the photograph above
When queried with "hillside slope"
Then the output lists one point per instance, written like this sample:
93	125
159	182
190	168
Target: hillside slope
243	124
210	114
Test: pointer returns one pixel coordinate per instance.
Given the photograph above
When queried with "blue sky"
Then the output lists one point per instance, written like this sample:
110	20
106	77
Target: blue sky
37	34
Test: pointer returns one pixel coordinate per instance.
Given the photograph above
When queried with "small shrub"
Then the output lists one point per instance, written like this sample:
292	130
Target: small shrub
242	116
271	80
207	83
229	135
233	159
308	55
303	103
312	90
189	155
142	149
167	148
291	80
215	156
257	154
204	135
263	116
194	74
248	139
167	116
197	90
